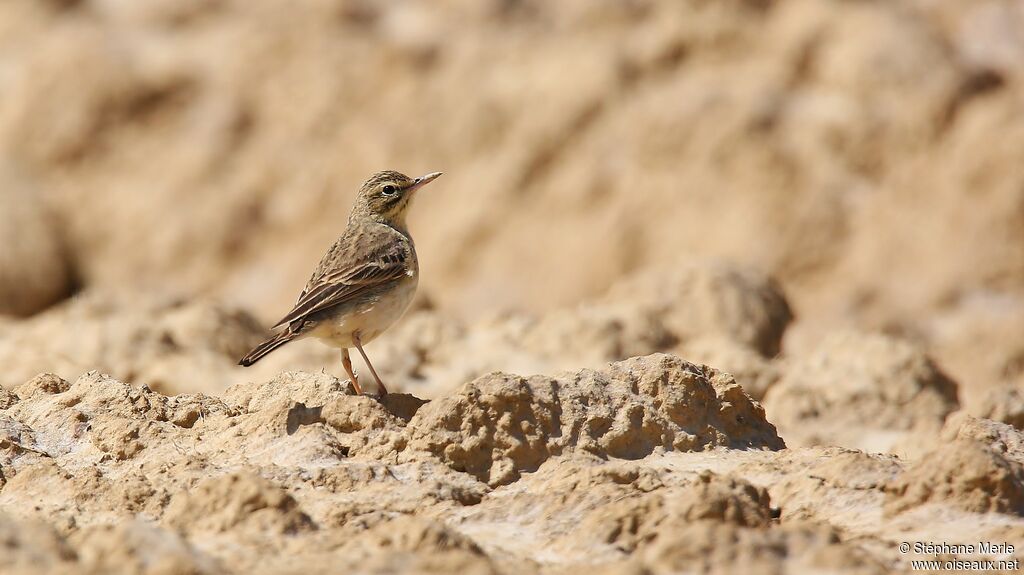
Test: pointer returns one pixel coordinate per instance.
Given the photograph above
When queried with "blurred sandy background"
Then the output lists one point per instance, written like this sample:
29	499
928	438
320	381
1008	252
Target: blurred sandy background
867	155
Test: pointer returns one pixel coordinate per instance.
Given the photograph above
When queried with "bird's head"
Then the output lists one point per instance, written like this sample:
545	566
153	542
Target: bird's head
385	197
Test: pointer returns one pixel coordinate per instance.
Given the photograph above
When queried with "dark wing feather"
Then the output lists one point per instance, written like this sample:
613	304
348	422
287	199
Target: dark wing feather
336	287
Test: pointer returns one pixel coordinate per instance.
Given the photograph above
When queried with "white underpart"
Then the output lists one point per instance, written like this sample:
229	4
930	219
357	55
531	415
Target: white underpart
370	320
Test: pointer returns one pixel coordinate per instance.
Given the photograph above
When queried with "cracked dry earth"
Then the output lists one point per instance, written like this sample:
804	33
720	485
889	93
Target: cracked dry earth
648	465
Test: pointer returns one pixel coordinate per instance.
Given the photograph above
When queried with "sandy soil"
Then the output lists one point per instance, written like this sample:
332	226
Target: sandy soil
715	287
649	465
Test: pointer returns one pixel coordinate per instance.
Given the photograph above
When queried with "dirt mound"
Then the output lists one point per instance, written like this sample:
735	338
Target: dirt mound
138	547
32	547
978	466
726	548
860	390
1002	438
499	425
638	522
977	341
238	501
754	372
707	310
630	410
965	473
409	544
34	268
272	434
828	477
1005	404
168	343
508	473
709	300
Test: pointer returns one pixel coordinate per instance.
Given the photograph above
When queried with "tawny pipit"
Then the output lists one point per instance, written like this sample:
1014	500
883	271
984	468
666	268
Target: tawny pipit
364	282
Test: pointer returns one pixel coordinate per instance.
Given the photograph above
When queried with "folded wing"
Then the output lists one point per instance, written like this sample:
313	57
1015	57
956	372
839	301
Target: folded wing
342	285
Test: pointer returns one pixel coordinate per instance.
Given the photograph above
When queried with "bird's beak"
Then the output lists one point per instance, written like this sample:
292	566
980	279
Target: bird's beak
423	180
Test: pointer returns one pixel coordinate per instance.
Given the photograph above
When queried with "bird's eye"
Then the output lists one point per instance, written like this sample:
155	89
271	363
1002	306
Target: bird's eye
389	190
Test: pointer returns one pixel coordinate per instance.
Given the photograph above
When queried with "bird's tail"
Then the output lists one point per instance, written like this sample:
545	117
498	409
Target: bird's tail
266	347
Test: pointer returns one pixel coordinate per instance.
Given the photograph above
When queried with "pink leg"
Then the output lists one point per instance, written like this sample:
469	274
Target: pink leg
359	346
346	362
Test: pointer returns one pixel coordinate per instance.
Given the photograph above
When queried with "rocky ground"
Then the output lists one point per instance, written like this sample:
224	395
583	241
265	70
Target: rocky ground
650	465
731	286
654	464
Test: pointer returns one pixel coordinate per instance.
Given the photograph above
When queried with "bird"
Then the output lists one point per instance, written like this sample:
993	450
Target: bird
365	281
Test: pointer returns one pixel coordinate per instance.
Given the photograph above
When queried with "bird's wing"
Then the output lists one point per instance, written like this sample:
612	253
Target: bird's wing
341	285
